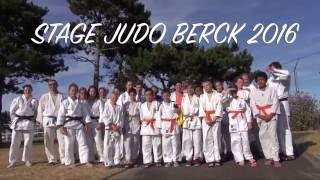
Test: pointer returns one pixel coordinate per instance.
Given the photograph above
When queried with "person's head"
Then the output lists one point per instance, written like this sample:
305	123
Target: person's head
103	92
53	85
155	90
138	87
261	79
218	85
129	85
184	85
113	98
238	82
27	90
73	90
275	65
233	90
207	86
116	91
148	93
198	90
190	90
178	87
92	92
83	95
132	94
246	79
166	95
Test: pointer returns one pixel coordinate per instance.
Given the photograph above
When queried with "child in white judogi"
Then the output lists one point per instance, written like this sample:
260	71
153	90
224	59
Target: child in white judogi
280	80
265	107
96	107
112	118
192	134
131	113
49	105
73	121
239	114
210	110
150	130
168	113
23	111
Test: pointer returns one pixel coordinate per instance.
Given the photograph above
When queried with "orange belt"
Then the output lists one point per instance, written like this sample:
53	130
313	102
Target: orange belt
262	109
172	124
149	122
236	113
208	113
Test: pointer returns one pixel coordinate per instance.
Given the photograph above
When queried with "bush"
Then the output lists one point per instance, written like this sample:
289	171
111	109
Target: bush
305	112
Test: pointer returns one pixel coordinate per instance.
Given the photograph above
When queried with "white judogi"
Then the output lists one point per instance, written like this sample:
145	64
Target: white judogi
280	81
192	134
131	113
266	102
170	131
112	142
123	98
225	142
48	109
211	106
239	114
95	137
22	114
244	94
73	115
150	131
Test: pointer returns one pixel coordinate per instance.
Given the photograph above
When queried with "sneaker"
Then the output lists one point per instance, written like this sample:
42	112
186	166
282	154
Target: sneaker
188	164
28	164
11	165
176	164
211	164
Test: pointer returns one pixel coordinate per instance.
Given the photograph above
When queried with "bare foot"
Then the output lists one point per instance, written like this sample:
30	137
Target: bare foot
241	163
277	164
268	162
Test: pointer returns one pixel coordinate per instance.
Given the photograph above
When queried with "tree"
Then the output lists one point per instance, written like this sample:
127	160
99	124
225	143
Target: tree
110	13
20	59
168	63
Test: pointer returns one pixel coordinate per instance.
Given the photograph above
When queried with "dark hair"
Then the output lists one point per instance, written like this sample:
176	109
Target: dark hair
276	64
217	81
165	91
95	89
52	80
27	86
73	85
103	88
132	90
148	90
260	74
236	79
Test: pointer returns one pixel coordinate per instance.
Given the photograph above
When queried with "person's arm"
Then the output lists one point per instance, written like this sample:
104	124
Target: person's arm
275	105
281	74
13	108
41	107
201	107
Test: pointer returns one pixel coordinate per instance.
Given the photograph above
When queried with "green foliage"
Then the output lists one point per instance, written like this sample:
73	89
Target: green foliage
305	112
168	63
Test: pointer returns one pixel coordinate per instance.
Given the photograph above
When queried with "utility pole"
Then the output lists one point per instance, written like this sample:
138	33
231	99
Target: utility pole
295	76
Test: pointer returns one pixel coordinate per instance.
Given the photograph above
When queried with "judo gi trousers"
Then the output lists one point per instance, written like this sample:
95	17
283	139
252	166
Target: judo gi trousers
151	144
284	131
269	140
72	136
225	136
192	144
95	144
211	138
16	138
111	148
171	148
131	147
240	146
50	134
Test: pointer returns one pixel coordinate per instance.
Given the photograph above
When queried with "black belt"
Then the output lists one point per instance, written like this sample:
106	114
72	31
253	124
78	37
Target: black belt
95	118
29	118
70	118
283	99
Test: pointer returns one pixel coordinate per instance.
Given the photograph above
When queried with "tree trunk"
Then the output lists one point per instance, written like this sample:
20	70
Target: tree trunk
1	94
96	75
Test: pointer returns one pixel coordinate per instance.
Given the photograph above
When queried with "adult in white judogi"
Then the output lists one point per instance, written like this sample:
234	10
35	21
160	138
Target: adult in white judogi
210	110
131	113
192	133
96	109
23	110
113	121
280	80
73	121
170	131
150	130
239	115
49	105
265	107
